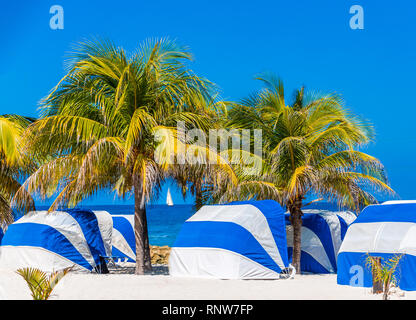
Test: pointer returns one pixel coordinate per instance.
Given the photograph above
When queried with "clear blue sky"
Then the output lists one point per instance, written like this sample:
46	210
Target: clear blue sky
305	42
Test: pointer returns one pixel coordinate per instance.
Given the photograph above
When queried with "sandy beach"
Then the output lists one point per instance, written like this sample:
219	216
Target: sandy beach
129	286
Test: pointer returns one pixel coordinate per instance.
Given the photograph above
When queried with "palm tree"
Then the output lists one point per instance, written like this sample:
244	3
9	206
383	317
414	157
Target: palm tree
111	123
14	165
310	148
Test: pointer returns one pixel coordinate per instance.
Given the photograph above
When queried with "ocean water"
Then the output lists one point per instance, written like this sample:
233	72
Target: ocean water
164	222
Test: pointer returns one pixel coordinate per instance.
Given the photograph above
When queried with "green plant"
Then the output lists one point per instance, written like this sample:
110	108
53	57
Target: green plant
41	284
384	272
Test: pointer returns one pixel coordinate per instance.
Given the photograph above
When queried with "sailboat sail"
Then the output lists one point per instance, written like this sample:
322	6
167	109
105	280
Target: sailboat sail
169	201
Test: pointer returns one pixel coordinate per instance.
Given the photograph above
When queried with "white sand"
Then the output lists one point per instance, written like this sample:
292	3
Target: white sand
119	286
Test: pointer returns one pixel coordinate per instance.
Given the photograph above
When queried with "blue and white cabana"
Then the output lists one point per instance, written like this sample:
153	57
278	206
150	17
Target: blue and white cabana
240	240
124	243
399	201
384	231
322	235
56	240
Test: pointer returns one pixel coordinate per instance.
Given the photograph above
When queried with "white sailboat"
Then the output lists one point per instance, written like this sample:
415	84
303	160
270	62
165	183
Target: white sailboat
169	201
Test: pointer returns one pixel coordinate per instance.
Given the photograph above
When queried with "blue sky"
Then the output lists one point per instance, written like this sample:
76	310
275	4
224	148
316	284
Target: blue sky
304	42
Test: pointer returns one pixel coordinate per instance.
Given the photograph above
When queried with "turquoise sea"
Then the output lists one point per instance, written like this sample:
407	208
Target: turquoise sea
165	222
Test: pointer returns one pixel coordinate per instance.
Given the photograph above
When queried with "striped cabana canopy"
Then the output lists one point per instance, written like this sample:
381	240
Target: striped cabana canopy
56	240
386	231
322	235
240	240
124	243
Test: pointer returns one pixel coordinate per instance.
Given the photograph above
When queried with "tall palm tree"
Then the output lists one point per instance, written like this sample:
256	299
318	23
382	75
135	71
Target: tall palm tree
14	166
310	148
111	123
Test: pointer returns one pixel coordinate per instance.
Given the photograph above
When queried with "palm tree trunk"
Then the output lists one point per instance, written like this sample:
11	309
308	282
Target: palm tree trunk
143	262
296	221
198	196
386	288
377	285
147	257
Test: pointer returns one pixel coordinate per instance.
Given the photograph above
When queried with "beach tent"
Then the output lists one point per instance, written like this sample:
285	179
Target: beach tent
322	235
124	243
384	231
240	240
56	240
399	201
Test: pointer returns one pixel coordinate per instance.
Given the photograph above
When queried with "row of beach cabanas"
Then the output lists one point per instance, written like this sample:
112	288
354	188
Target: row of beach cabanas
240	240
77	239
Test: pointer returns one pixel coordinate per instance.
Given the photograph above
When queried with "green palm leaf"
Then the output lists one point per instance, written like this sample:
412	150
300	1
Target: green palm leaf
40	283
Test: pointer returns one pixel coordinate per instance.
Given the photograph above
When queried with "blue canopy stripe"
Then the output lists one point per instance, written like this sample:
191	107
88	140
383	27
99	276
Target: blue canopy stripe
214	234
403	212
385	231
322	235
125	229
275	216
344	226
89	225
45	237
349	274
308	263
